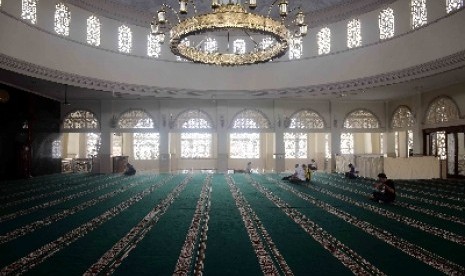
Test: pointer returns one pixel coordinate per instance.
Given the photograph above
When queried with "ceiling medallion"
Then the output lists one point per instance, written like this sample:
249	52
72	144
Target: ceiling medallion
230	19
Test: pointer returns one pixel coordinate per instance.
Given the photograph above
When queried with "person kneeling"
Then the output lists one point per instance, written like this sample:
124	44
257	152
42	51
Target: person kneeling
385	190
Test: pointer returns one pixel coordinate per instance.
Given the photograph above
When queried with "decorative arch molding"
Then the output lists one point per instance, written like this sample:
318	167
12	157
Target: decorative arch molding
135	118
259	118
310	113
402	118
80	120
448	63
449	110
363	122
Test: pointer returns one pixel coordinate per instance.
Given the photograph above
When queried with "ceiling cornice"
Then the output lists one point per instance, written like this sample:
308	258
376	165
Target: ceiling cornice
434	67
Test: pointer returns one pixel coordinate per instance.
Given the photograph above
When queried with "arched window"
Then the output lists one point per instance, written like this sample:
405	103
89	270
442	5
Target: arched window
62	19
453	5
402	117
250	119
296	144
419	13
210	45
29	10
239	46
386	23
135	119
358	119
441	110
354	34
93	31
247	145
145	144
324	41
361	119
124	39
80	119
194	143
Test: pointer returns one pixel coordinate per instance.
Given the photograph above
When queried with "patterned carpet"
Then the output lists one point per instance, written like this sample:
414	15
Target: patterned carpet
237	224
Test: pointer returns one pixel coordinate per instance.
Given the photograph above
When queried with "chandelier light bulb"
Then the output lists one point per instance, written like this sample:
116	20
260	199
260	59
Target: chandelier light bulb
215	4
252	4
161	16
303	30
153	28
283	8
300	18
183	6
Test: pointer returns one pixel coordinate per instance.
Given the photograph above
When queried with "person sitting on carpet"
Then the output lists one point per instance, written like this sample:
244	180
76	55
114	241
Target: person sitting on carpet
300	176
385	190
296	169
130	170
352	173
313	166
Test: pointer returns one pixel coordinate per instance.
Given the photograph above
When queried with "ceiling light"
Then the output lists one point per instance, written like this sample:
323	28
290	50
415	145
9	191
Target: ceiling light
267	38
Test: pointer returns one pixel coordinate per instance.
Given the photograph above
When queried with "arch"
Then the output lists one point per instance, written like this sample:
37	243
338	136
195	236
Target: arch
250	119
306	119
442	109
135	118
193	119
402	117
81	119
361	118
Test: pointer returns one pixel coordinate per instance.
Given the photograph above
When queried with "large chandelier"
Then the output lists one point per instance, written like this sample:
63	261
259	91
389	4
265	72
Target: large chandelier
234	26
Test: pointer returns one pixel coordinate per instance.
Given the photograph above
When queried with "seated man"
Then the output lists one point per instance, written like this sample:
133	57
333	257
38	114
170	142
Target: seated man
130	170
313	166
296	169
352	173
385	190
300	176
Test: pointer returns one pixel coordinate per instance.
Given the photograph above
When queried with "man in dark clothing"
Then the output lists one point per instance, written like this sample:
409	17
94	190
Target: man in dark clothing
385	190
130	170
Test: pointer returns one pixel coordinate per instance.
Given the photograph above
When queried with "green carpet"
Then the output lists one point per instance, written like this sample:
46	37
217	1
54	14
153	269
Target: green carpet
67	224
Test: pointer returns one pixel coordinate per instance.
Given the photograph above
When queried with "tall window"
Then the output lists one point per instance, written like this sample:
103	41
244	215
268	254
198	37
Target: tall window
247	145
153	46
386	23
210	45
295	145
347	143
442	110
402	118
266	43
239	46
453	5
409	142
186	42
57	150
124	39
361	119
195	144
419	14
327	146
295	48
146	144
354	34
324	41
244	145
396	143
92	144
62	19
80	119
93	31
29	10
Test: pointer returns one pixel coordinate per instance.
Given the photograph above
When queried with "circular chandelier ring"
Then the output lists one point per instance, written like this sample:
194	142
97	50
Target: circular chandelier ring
229	17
